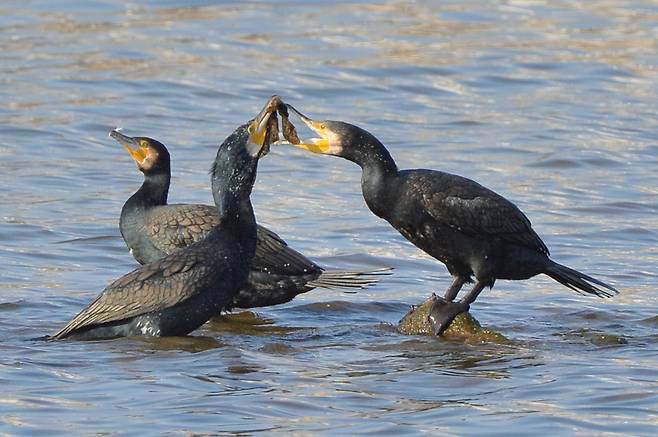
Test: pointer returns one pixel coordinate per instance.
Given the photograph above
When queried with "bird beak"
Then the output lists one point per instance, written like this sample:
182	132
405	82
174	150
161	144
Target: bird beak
258	129
315	145
137	152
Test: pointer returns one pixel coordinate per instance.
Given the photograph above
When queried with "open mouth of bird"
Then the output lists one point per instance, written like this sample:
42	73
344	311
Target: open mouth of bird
264	129
276	108
318	144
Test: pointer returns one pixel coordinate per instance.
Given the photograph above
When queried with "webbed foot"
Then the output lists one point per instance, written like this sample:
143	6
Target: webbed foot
443	312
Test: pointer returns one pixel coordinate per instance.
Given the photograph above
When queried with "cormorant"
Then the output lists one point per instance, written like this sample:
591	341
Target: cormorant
180	292
474	231
152	229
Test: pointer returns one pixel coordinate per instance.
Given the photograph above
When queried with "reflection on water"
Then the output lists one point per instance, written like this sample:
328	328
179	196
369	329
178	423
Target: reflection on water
247	323
551	104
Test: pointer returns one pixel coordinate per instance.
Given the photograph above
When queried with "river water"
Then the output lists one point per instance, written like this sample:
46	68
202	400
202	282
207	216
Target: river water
552	104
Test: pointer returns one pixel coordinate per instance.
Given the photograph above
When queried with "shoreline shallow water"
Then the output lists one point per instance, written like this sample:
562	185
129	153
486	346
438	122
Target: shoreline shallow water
550	104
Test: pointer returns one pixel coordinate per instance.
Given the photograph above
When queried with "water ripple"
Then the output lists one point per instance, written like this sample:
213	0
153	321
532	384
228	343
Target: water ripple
552	105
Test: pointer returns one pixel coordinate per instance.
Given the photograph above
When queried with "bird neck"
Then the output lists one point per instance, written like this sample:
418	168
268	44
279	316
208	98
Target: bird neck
378	169
151	194
236	215
154	190
239	225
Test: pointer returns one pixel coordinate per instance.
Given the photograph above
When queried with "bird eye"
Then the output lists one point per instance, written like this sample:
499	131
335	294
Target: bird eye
143	143
322	126
250	129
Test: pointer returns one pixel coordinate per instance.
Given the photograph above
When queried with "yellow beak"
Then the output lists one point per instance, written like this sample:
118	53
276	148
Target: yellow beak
315	145
258	127
138	153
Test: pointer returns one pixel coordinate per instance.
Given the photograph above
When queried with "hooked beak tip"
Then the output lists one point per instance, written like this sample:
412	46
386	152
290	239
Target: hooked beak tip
307	121
121	138
299	114
262	124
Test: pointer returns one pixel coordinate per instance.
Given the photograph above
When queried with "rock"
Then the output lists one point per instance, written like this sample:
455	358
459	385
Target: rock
465	327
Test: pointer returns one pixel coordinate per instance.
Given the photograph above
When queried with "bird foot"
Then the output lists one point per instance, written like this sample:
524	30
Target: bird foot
443	312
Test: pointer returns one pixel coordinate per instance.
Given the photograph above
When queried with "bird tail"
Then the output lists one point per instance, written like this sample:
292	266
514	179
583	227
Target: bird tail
348	279
579	282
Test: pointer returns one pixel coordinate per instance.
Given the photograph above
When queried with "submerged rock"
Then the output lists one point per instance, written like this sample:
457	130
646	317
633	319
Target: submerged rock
247	323
464	327
608	340
595	337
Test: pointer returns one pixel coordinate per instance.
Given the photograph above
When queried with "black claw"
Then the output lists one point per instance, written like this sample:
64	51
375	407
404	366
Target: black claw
443	313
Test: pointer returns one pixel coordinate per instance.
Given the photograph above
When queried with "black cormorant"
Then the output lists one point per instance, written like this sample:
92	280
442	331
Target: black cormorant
152	229
471	229
180	292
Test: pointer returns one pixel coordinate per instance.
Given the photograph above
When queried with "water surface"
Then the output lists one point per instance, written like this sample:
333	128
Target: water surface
552	104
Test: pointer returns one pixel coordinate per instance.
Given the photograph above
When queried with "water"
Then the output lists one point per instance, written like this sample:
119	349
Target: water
552	104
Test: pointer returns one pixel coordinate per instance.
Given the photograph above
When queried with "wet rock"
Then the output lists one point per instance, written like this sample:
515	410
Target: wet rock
465	327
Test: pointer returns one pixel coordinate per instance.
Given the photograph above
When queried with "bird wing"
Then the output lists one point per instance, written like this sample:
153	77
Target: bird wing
152	287
273	255
172	227
469	207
